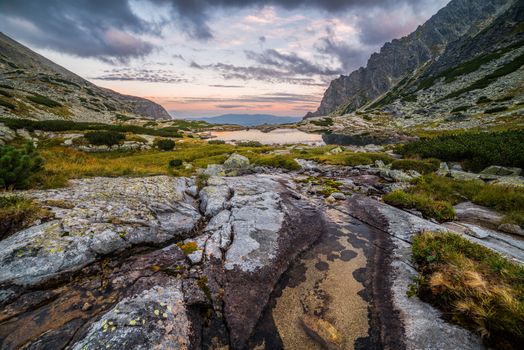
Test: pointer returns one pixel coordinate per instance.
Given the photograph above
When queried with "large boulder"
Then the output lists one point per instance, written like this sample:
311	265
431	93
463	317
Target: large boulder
236	161
96	217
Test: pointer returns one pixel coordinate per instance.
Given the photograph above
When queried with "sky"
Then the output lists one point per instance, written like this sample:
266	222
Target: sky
209	57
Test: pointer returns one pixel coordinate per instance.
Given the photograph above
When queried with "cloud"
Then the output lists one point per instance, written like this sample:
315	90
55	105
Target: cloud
107	30
290	62
226	86
277	97
230	106
349	56
114	31
229	72
144	75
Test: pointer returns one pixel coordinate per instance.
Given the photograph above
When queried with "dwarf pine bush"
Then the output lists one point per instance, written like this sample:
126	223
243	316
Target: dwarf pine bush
17	165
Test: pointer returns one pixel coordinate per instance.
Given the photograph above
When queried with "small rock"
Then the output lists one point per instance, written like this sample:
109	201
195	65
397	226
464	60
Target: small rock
463	175
511	228
339	196
379	164
501	171
443	169
336	150
477	214
322	331
86	306
509	181
331	199
476	231
68	142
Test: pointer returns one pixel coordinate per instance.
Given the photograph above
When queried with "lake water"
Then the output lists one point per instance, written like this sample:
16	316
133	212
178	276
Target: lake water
277	136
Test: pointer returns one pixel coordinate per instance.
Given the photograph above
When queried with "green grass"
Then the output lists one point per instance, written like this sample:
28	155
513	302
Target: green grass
105	138
63	163
274	161
44	101
476	150
6	93
439	210
473	286
467	67
433	188
328	186
17	212
484	82
421	166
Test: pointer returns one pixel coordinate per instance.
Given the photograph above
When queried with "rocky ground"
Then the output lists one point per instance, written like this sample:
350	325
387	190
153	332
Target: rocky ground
259	261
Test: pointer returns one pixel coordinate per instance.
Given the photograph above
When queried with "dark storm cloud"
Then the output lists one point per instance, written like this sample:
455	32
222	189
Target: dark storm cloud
109	30
94	28
276	67
350	57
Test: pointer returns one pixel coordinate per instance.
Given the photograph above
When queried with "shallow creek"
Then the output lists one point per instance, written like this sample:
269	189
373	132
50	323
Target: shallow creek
335	288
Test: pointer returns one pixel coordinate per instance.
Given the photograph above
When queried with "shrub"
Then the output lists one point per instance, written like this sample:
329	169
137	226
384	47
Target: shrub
107	138
201	180
188	248
7	104
135	138
6	93
496	109
18	165
439	210
460	109
165	144
357	159
276	161
323	122
473	286
421	166
16	213
249	144
216	142
67	125
478	150
173	163
45	101
483	99
123	118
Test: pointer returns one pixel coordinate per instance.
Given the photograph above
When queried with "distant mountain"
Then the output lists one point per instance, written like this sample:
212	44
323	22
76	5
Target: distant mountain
463	36
33	86
250	119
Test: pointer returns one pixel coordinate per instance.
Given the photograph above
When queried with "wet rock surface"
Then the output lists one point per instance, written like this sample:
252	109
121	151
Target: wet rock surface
106	272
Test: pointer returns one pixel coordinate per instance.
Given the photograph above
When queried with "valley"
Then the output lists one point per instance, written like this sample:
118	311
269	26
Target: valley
392	217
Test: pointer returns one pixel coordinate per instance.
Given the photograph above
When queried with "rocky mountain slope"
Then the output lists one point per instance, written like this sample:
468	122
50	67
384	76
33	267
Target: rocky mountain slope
33	86
462	31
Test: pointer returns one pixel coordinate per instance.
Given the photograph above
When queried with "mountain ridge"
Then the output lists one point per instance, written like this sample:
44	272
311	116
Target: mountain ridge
400	57
25	74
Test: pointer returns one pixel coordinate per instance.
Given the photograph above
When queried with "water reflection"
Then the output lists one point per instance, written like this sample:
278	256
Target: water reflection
277	136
